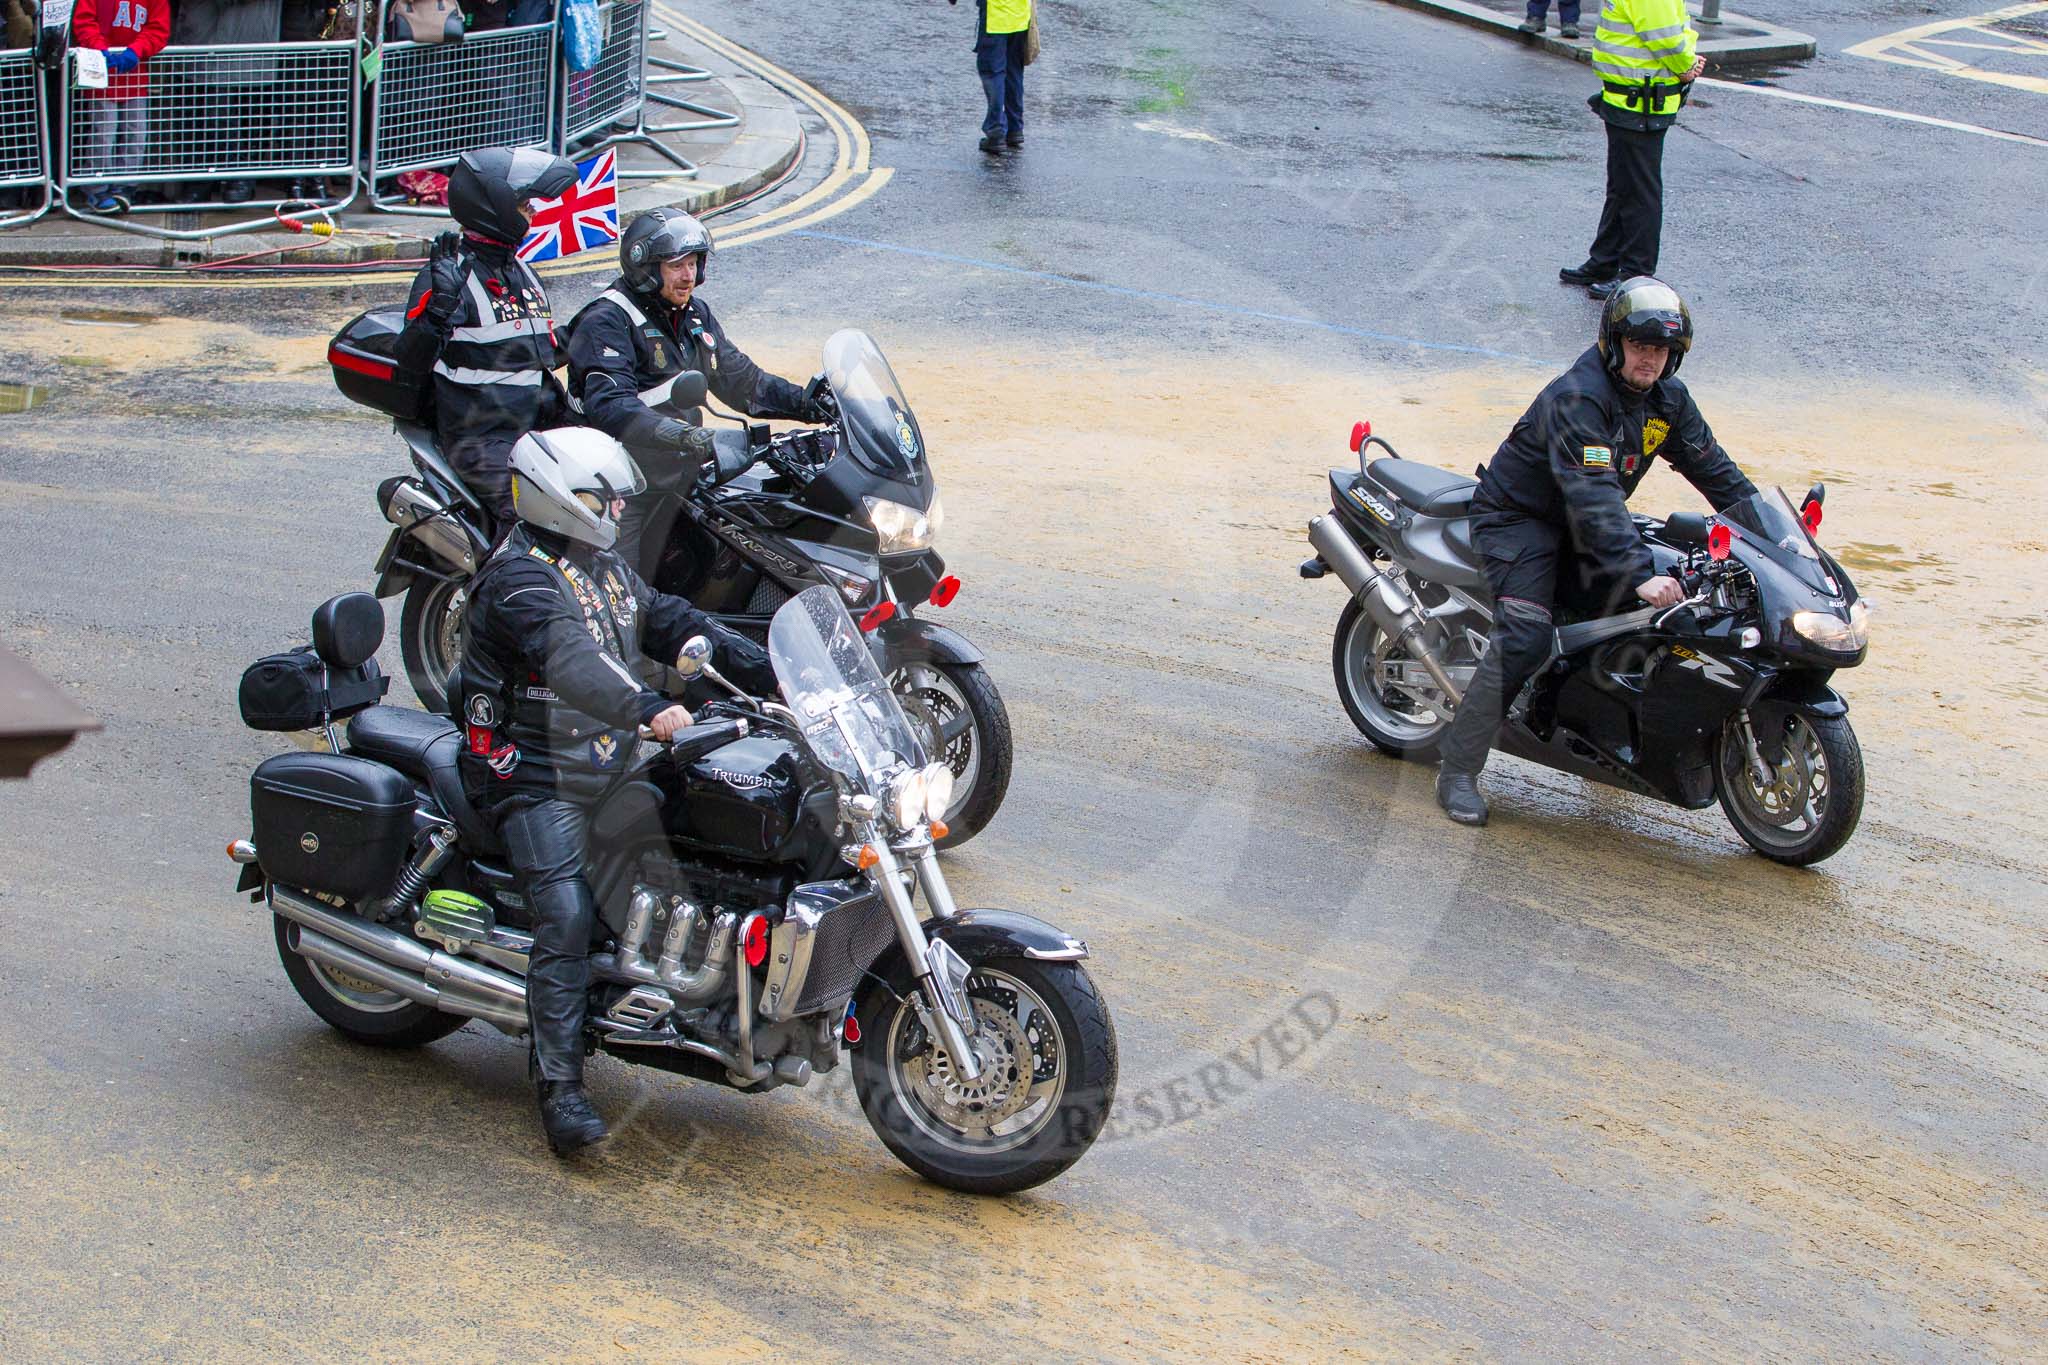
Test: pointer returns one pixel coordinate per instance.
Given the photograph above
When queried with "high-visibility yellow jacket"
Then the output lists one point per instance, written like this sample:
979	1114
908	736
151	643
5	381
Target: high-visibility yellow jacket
1009	16
1641	49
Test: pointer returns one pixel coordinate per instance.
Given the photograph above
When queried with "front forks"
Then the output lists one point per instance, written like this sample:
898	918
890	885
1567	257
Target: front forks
941	972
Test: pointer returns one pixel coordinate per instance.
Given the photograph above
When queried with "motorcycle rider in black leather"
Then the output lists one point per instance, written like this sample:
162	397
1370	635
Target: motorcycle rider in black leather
550	709
479	319
1551	520
628	345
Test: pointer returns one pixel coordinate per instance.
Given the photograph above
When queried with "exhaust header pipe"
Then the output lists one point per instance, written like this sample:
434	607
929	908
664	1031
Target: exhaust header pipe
1386	601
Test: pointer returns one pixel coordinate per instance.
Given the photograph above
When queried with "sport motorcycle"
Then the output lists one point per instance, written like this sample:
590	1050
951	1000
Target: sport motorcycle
757	882
1724	696
853	504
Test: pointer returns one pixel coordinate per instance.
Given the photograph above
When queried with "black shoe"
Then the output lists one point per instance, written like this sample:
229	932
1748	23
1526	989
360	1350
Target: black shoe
1014	140
568	1118
1570	30
992	145
1458	794
1580	274
1530	26
1601	289
237	192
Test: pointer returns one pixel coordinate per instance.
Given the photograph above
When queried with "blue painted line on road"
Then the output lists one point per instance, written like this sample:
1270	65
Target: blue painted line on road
1155	296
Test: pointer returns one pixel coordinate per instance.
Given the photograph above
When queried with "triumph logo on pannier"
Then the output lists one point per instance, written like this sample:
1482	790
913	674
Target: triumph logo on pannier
310	842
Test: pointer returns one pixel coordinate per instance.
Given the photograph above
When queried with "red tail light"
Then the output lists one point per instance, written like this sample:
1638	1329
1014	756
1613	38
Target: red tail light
1720	541
1809	516
945	590
880	614
1359	431
361	364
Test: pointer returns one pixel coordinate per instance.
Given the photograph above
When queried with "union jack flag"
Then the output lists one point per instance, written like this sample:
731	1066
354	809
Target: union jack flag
586	216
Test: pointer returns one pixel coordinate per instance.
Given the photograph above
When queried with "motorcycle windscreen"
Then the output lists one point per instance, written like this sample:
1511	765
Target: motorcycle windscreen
851	719
879	425
1769	522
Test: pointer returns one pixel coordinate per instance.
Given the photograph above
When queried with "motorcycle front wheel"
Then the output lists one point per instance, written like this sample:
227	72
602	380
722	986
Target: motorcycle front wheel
1044	1035
1806	807
430	637
961	719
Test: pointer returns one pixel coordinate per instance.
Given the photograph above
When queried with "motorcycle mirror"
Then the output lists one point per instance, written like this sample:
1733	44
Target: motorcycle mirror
1686	528
696	650
1720	542
1817	494
689	390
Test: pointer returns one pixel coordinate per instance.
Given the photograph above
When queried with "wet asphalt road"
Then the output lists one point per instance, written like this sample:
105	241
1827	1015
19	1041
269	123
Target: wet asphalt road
1593	1083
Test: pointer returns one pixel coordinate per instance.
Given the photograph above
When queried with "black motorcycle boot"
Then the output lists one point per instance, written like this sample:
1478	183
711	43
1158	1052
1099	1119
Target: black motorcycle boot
1458	794
567	1116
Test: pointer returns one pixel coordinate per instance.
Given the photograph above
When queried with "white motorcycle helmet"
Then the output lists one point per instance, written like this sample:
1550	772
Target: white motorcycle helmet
564	481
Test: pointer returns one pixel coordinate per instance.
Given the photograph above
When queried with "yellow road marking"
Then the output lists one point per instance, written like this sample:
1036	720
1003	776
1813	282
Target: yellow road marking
851	167
1911	47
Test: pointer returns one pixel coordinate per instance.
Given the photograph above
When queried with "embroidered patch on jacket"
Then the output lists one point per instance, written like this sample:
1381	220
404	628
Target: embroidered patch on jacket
604	750
1597	457
1654	432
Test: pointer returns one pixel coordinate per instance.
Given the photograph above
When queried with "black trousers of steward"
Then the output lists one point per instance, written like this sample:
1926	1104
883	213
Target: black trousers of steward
1632	218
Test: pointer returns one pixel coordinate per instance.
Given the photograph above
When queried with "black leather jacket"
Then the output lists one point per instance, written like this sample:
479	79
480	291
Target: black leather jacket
549	700
1584	445
625	348
492	361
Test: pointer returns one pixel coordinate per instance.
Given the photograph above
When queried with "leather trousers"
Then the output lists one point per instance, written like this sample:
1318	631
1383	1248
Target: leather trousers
545	838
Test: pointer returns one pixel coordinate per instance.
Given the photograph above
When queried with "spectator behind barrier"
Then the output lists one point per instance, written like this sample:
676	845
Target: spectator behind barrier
306	21
229	105
116	119
21	23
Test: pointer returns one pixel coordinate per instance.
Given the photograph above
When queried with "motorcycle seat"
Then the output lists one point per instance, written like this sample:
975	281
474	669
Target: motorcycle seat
1431	491
427	748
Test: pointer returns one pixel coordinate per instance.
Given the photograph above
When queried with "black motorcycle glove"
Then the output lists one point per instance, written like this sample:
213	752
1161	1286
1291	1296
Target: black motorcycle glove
444	267
743	662
819	404
693	443
731	457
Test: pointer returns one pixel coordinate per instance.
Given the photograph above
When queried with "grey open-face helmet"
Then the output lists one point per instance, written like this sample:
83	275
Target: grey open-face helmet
658	235
1644	308
564	481
488	185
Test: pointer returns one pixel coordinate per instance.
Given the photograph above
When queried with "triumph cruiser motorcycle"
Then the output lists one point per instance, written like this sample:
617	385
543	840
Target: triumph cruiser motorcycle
1724	695
853	505
756	882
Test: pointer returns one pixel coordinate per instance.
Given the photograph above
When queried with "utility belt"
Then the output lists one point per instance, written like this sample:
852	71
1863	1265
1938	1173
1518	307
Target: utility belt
1645	93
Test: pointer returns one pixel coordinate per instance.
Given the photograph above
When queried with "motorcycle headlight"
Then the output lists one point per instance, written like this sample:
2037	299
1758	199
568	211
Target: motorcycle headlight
907	798
903	530
938	790
1830	631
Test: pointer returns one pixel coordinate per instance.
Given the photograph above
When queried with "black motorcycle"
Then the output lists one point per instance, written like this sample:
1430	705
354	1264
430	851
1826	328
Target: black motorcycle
756	881
853	505
1725	694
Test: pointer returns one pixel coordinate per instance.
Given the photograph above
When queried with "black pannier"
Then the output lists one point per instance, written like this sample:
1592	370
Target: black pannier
331	822
364	358
297	690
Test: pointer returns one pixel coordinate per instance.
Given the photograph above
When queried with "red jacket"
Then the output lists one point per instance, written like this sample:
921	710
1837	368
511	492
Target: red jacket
141	26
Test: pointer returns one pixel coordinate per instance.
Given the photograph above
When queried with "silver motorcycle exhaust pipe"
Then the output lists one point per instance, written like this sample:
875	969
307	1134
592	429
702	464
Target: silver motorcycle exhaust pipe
430	523
317	947
429	969
1389	605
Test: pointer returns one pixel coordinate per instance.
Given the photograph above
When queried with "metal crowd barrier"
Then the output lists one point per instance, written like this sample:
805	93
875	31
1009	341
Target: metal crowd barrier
434	101
24	135
281	116
298	122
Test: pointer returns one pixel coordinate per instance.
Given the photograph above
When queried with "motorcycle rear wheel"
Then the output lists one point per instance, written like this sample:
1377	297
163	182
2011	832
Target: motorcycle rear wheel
1388	721
1810	806
362	1010
1046	1034
430	637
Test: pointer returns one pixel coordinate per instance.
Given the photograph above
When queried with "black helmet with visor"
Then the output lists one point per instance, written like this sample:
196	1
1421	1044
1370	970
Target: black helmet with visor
488	187
1648	310
658	235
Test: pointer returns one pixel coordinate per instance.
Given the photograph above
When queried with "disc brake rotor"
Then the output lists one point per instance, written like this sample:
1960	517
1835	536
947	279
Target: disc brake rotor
1008	1059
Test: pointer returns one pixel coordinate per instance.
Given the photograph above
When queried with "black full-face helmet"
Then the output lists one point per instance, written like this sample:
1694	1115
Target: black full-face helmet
661	235
1645	309
488	186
